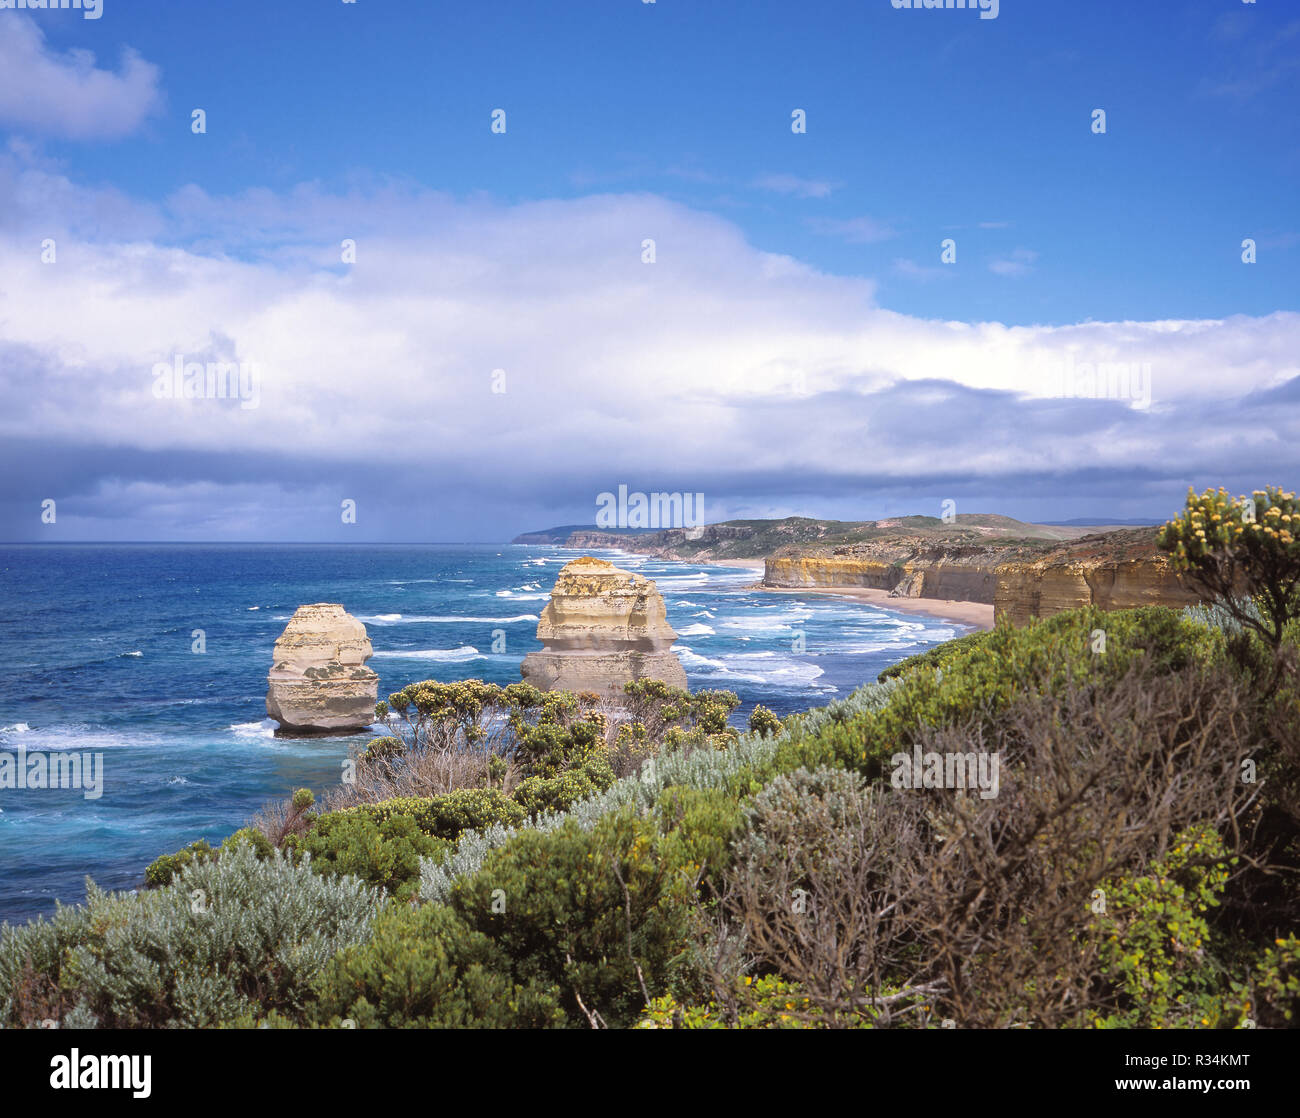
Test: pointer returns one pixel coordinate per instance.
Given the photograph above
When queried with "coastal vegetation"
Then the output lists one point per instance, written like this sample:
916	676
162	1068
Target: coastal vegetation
509	857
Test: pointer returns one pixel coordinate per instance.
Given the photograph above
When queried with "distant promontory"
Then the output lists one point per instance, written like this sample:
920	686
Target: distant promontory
1024	570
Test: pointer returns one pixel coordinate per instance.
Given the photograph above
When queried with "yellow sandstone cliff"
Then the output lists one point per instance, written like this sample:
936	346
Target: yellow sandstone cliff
1116	570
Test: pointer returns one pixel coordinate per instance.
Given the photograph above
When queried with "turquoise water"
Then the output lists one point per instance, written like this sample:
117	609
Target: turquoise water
96	643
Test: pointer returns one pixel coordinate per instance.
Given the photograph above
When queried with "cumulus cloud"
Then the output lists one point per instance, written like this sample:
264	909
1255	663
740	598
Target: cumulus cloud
923	272
793	184
719	368
854	230
66	95
1019	263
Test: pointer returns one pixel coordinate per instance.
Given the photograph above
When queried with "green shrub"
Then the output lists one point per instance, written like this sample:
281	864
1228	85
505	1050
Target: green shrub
382	750
238	935
763	721
426	968
448	814
250	837
980	679
471	714
383	854
591	914
768	1002
936	657
1270	997
538	794
1242	548
1155	938
549	749
676	718
164	868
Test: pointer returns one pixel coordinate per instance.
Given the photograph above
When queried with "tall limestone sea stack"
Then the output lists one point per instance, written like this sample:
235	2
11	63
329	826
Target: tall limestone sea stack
602	628
318	683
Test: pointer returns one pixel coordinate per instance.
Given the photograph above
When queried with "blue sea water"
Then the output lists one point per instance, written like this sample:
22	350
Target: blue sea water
97	644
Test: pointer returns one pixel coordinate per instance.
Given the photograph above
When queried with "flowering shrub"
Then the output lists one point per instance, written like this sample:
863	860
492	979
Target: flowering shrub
1155	938
1242	548
1270	998
769	1002
763	721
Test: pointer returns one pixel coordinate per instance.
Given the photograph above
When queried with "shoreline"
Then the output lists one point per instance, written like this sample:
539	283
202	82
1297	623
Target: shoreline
978	615
975	615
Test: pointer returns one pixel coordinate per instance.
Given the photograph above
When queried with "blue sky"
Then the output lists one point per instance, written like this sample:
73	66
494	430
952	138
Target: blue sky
783	259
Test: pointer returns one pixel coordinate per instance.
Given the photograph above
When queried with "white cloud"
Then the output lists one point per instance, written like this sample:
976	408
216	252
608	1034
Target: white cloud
1019	263
854	230
793	184
912	270
720	368
67	95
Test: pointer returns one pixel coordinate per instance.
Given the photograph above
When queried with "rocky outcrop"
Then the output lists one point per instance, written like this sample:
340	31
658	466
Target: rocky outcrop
602	628
318	683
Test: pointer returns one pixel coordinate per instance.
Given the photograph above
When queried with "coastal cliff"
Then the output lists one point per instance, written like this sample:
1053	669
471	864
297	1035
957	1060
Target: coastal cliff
602	628
1113	570
1023	570
1100	574
953	578
802	535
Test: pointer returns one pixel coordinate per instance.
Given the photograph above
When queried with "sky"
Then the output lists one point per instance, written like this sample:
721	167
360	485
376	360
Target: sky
830	259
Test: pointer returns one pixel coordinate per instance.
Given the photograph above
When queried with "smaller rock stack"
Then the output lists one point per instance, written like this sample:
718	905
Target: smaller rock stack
602	628
318	683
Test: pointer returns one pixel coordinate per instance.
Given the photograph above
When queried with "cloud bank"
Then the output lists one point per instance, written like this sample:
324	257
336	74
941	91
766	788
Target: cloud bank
480	369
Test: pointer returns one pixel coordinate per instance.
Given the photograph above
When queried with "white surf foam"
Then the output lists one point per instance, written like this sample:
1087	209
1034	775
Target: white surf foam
464	652
263	729
445	619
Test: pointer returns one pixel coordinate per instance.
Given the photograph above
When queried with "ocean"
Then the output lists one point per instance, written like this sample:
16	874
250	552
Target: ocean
98	646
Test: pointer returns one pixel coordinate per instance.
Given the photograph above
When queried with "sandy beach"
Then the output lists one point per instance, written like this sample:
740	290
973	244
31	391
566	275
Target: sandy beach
977	614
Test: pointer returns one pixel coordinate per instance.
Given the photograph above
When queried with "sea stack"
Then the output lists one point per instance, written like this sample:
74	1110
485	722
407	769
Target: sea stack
602	628
318	683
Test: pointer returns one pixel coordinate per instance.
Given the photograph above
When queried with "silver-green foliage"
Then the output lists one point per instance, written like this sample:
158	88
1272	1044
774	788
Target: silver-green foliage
703	768
236	937
229	937
1216	616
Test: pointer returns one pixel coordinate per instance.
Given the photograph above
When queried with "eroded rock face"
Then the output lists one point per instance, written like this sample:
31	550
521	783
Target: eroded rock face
1044	588
602	628
1112	570
318	683
960	578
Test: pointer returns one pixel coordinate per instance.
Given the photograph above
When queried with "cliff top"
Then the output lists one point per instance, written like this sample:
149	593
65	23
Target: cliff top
968	533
